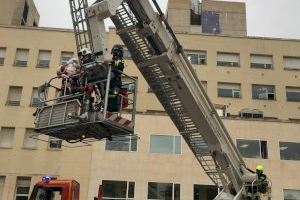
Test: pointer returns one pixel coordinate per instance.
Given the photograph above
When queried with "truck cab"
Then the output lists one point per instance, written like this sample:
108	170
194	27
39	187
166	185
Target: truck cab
52	189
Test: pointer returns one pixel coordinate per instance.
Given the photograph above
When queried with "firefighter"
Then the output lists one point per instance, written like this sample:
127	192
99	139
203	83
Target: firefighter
70	73
117	64
263	184
85	55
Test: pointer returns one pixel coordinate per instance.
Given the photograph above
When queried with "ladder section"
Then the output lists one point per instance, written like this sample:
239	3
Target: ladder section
80	24
142	51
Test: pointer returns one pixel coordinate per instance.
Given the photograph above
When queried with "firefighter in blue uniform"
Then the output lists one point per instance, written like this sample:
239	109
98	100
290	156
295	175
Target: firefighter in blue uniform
116	78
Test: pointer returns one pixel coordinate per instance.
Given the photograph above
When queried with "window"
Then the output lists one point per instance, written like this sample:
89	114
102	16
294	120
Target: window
14	96
44	58
2	181
55	143
292	93
29	142
25	14
35	101
66	56
229	90
126	54
252	148
197	58
195	15
208	192
7	137
265	92
22	188
261	61
126	143
289	150
123	190
165	144
21	57
2	55
128	84
291	63
168	191
291	194
228	59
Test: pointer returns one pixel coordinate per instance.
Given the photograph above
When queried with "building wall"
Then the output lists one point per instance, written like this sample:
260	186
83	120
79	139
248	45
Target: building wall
90	165
12	12
231	17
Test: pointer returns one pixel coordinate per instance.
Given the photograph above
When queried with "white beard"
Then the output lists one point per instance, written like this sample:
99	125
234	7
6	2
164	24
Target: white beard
70	69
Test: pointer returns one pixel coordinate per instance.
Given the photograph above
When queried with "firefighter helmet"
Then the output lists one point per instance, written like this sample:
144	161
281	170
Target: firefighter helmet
117	50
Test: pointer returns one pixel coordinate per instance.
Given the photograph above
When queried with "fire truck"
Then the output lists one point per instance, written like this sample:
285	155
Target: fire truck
162	61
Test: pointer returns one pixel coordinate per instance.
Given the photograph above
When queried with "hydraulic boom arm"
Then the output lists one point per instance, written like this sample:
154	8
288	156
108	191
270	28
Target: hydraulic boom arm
163	63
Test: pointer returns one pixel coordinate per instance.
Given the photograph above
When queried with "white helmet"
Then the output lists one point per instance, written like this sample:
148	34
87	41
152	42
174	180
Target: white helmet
84	52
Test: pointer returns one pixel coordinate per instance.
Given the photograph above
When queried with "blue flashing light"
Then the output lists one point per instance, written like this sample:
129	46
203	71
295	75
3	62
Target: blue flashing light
47	178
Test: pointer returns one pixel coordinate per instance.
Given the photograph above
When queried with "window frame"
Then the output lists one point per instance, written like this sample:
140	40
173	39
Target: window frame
225	64
3	58
27	130
127	190
10	146
10	102
286	93
32	104
265	66
298	190
173	189
266	99
290	57
232	90
38	64
16	187
198	53
65	52
287	160
173	144
54	148
16	64
129	146
260	148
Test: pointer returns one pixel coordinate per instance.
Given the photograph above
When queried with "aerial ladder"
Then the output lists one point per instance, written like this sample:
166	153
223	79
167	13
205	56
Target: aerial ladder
160	58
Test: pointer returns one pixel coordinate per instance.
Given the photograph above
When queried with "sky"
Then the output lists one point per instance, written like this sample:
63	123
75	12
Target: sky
265	18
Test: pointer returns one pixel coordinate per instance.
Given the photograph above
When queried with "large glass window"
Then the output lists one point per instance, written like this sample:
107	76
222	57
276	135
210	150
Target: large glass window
55	143
232	90
264	92
289	150
7	137
207	192
291	63
228	59
22	188
2	55
163	191
21	57
121	190
252	148
44	58
197	57
293	93
261	61
14	96
126	143
165	144
291	194
29	141
65	57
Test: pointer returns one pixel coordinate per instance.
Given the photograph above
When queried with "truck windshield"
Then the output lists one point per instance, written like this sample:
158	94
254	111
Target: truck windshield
47	193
